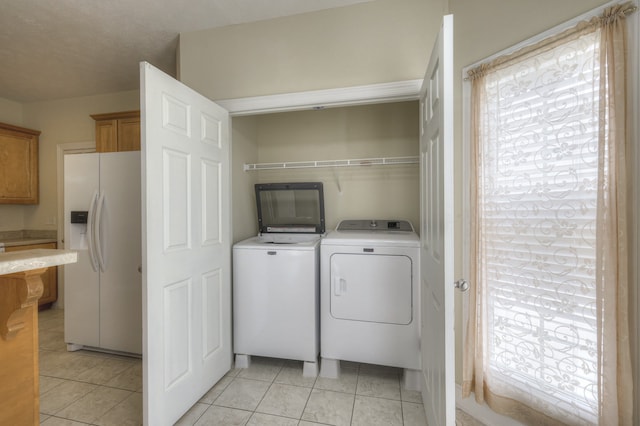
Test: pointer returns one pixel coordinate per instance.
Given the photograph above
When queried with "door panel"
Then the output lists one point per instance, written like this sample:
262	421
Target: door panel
177	342
211	202
436	253
176	194
186	246
212	325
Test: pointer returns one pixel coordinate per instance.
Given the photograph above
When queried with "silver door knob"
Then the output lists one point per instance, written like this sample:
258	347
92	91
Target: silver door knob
462	285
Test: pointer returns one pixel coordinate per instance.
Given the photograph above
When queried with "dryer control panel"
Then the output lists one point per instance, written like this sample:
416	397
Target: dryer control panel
375	225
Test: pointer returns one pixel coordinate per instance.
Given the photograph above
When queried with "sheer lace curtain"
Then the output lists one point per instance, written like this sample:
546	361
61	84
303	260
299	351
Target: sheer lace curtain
548	333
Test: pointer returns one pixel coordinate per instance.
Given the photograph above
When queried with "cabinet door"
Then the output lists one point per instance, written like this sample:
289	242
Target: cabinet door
117	131
18	165
107	135
49	278
129	134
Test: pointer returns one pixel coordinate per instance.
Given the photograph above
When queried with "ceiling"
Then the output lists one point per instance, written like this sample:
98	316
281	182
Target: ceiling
55	49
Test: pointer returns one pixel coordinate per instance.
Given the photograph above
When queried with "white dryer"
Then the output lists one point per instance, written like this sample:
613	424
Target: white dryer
370	299
276	277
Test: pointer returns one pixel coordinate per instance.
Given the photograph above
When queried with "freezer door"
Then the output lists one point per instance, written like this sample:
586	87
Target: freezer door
119	243
81	281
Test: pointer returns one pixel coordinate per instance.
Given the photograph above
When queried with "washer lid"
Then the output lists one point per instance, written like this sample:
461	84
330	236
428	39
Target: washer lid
265	242
296	208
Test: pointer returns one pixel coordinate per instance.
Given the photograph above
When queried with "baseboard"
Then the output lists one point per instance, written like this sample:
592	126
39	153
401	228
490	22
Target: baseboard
482	412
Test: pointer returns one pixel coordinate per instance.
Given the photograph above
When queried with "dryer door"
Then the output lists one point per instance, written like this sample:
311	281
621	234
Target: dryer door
371	288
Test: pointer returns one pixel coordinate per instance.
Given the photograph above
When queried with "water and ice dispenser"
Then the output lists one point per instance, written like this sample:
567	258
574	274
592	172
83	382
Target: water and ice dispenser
78	230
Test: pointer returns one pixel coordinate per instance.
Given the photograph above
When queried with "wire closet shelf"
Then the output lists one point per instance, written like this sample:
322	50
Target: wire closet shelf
381	161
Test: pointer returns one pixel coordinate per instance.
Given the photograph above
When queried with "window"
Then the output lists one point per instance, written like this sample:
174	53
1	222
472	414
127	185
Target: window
548	311
537	187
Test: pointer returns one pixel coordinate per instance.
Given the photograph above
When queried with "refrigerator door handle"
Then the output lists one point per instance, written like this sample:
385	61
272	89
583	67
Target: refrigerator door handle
99	237
90	225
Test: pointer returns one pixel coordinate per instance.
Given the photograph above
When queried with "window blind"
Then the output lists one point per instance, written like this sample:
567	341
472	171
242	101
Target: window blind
537	189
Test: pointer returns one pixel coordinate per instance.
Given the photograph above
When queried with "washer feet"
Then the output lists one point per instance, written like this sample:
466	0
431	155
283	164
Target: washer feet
243	361
310	369
330	368
411	380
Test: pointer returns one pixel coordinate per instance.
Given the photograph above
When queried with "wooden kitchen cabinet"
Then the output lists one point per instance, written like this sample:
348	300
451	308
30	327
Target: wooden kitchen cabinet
19	369
49	278
18	165
117	131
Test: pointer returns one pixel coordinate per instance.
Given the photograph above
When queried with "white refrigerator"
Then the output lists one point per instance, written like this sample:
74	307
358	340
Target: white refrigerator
103	290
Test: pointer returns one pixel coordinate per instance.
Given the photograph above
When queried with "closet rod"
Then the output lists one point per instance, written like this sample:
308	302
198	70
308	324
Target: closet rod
382	161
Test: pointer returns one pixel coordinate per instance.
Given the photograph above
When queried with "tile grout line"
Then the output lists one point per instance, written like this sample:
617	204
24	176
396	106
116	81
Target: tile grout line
306	403
355	395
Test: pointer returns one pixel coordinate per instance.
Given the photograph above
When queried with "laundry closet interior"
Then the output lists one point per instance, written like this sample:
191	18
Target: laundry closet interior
383	130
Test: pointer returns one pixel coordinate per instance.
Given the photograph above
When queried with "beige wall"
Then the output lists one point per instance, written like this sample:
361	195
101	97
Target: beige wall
11	218
11	112
374	42
60	121
244	149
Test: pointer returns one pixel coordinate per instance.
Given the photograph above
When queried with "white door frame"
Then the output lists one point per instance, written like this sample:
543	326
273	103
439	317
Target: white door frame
398	91
61	150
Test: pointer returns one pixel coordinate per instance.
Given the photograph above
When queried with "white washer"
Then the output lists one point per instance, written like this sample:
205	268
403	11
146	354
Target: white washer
370	299
276	277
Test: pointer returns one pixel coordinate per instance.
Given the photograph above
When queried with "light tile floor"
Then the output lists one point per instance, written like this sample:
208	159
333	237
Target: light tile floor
84	387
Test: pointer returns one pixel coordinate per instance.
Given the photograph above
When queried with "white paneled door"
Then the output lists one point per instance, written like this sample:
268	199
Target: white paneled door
436	217
186	240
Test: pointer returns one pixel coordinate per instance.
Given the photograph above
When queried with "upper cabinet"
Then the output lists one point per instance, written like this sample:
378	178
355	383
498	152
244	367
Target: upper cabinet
118	131
18	165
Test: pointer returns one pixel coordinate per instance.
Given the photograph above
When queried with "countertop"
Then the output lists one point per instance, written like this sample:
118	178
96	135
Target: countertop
18	261
12	242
